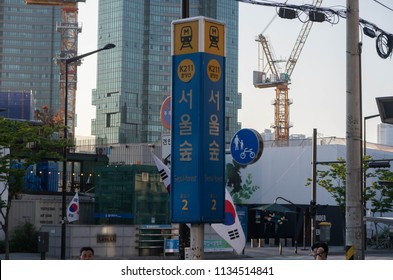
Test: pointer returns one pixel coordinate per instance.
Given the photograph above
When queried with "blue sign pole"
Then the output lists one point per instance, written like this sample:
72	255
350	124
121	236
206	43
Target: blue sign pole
198	116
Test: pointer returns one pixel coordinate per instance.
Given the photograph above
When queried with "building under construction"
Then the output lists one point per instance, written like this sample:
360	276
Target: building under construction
69	29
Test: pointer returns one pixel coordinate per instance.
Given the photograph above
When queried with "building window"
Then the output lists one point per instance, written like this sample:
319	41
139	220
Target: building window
108	120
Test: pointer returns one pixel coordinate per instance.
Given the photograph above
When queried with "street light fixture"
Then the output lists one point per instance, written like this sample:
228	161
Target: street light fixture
385	108
64	184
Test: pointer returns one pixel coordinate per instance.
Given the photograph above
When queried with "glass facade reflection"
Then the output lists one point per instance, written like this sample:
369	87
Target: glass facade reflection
134	79
29	42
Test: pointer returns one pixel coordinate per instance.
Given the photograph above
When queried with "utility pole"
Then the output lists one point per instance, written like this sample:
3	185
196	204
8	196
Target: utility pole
313	202
185	8
184	232
353	198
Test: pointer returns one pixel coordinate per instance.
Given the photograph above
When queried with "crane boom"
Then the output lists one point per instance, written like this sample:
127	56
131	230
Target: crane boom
300	41
280	80
269	56
54	2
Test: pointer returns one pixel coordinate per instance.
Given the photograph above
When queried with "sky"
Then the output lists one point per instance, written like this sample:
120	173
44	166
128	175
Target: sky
318	88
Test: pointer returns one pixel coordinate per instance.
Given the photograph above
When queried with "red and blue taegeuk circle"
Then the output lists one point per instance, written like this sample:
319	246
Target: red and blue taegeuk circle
73	208
230	213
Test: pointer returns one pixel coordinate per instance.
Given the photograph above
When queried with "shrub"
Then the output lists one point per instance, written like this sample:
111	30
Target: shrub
24	239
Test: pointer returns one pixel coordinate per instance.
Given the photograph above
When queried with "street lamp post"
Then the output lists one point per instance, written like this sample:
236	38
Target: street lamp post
64	184
296	222
364	175
365	147
364	132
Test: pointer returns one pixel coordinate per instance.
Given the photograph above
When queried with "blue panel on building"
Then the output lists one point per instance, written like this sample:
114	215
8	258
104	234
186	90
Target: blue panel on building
42	177
48	172
15	105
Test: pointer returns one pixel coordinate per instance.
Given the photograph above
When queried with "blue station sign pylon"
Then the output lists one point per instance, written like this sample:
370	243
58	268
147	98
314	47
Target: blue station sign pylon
198	116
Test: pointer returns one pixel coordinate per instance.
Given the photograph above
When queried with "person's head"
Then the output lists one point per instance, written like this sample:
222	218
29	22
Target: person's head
320	251
86	253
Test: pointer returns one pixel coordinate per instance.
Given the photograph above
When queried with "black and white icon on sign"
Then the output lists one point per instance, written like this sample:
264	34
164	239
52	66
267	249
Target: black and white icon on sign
239	143
186	37
214	37
246	146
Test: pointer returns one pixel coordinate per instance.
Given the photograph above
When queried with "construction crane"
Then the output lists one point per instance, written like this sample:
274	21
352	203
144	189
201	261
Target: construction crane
69	29
271	75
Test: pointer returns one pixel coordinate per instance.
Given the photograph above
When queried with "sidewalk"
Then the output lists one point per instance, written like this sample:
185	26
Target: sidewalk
263	253
288	253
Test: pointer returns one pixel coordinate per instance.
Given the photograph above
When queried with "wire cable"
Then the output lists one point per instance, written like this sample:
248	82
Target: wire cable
384	41
383	5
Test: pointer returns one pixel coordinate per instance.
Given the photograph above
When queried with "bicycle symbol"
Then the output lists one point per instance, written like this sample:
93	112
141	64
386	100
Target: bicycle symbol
244	153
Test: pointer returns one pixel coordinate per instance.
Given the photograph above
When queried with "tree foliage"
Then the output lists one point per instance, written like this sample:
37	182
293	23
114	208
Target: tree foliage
23	144
382	203
379	195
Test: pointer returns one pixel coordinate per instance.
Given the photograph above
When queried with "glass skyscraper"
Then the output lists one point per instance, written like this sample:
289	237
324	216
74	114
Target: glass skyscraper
29	42
134	79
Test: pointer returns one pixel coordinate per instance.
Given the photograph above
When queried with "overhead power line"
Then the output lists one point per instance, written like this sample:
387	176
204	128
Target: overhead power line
383	5
384	39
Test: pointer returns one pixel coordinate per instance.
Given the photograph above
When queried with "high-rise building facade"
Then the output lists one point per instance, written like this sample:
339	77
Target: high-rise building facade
135	79
29	42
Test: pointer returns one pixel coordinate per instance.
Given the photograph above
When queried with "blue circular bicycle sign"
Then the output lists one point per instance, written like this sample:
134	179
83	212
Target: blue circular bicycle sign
246	146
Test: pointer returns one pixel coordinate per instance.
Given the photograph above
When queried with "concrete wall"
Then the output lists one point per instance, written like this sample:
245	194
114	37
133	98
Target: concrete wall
78	236
283	171
125	245
42	210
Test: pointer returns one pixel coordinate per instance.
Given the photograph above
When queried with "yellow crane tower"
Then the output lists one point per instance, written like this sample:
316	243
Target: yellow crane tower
271	76
69	29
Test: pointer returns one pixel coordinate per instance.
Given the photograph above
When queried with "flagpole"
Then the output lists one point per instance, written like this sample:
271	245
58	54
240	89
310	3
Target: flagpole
184	231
